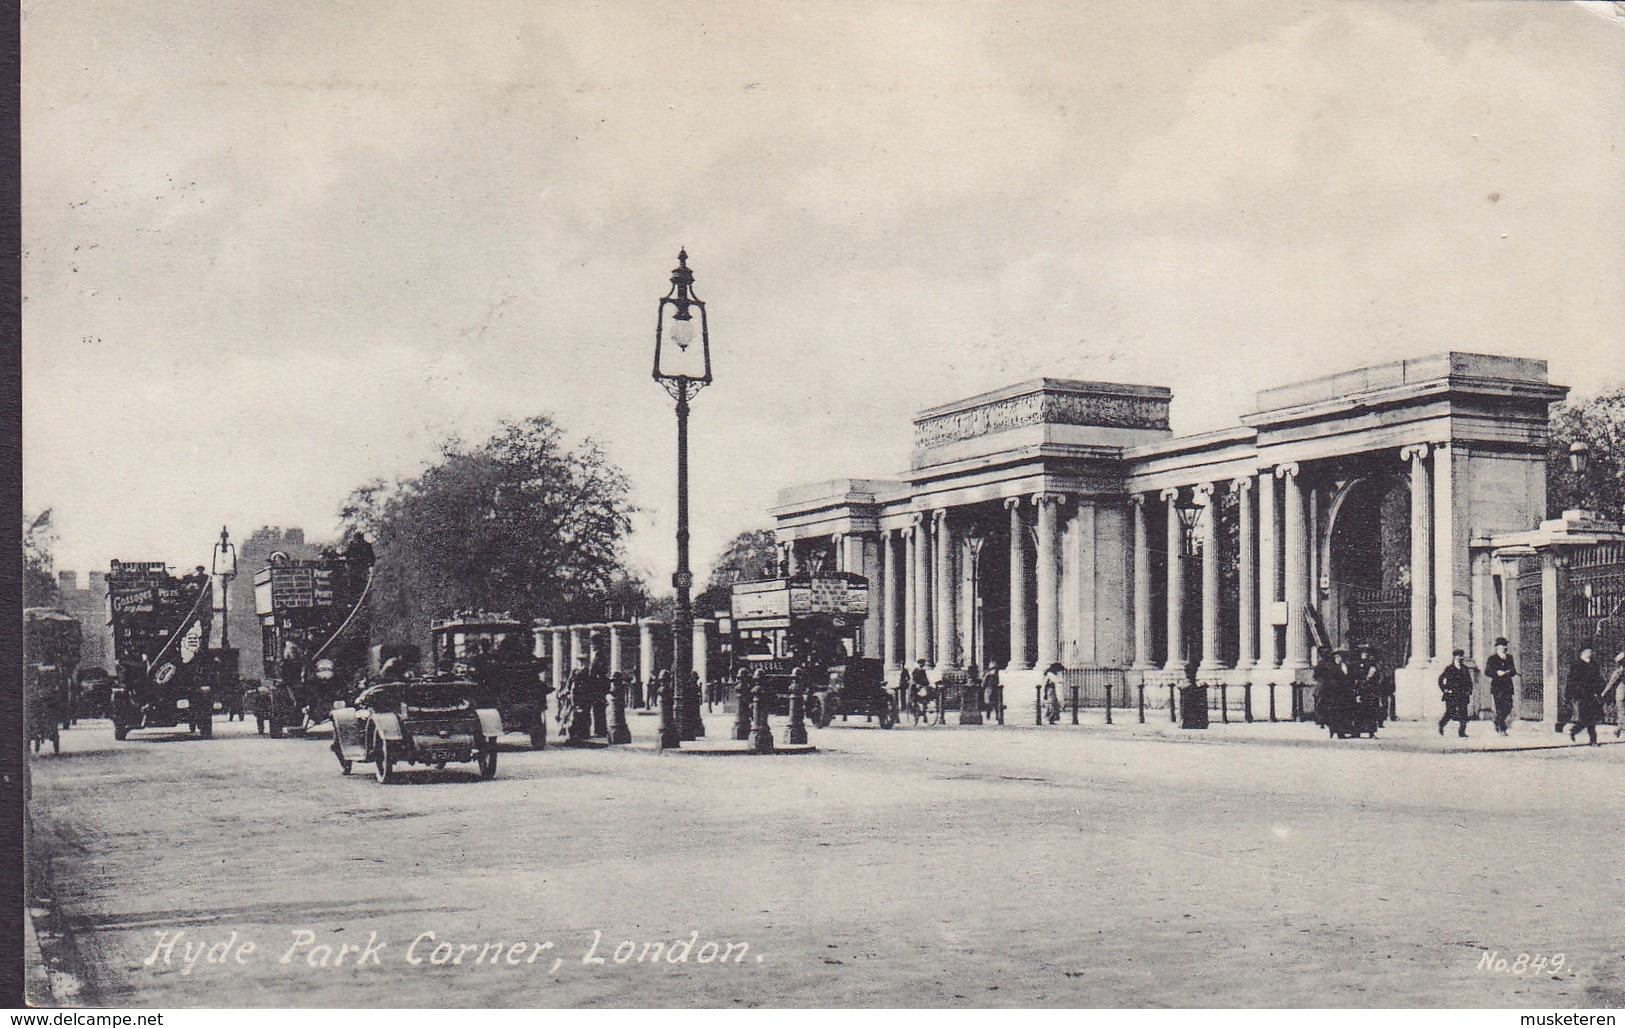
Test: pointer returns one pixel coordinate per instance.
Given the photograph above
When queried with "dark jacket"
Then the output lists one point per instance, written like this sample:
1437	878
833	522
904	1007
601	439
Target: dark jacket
1456	680
1500	669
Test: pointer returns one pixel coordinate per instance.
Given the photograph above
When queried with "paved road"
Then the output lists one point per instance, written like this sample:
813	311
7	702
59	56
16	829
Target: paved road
961	866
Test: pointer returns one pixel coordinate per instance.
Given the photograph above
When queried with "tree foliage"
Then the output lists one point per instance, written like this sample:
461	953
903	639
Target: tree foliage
522	523
39	566
750	556
1600	424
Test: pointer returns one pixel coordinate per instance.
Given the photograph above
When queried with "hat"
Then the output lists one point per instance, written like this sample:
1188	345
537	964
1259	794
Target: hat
1057	666
1501	640
1458	653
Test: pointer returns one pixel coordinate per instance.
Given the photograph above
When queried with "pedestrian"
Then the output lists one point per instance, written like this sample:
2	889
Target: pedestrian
919	697
903	689
1585	691
1052	692
992	694
1456	683
579	702
1616	689
970	694
1373	687
1502	670
1327	695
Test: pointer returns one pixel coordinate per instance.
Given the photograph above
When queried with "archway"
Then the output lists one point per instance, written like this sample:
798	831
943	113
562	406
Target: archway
1368	558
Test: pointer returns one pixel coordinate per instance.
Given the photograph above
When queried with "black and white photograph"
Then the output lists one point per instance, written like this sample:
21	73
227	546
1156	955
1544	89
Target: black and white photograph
705	505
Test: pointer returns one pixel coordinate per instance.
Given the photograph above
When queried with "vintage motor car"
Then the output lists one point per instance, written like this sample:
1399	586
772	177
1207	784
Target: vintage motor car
429	722
856	687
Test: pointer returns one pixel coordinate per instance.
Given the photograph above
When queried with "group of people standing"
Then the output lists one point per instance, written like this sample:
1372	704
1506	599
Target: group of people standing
1354	695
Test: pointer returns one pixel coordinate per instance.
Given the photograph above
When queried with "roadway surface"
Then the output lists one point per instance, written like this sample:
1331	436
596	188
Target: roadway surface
993	866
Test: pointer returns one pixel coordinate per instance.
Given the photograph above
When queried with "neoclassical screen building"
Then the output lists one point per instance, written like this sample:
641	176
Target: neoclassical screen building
1061	521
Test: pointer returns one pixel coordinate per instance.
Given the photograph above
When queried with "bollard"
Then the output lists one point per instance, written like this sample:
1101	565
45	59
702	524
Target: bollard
797	735
1173	698
1224	703
1074	698
1108	702
1141	690
1247	701
1272	701
761	737
1038	704
619	732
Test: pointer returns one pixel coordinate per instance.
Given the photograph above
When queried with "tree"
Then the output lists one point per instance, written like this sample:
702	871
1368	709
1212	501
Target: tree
750	556
39	566
1600	424
521	523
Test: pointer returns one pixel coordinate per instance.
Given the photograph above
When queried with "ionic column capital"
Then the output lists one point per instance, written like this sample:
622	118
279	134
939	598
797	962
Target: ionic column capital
1039	499
940	515
1284	470
1169	494
1012	503
1244	484
1414	452
917	519
1202	493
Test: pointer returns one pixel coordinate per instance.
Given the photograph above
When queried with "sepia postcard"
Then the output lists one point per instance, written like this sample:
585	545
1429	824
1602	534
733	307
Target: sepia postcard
871	505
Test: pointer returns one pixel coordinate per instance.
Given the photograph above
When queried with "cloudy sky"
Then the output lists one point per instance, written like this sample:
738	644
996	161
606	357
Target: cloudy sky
274	249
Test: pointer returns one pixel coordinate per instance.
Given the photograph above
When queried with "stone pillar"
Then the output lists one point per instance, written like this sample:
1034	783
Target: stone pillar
561	657
646	651
1247	587
1209	668
792	560
1143	657
580	646
1269	579
1296	554
924	615
1019	640
888	602
1452	569
875	623
1175	661
1048	578
1421	556
947	612
1486	625
911	595
702	648
617	655
1554	571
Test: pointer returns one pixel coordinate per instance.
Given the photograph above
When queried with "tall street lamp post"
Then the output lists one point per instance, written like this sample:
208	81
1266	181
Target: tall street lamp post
684	368
225	569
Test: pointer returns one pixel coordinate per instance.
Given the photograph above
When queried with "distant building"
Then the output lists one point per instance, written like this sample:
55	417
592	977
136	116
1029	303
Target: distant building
89	605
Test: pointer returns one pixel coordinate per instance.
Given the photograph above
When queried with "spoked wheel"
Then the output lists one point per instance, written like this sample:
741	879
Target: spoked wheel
888	716
383	763
488	760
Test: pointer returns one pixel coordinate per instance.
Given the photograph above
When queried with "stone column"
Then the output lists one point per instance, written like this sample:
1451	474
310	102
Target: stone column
561	657
646	651
580	645
1421	556
1554	642
888	601
872	567
1019	639
1210	666
911	595
1175	661
947	612
1485	623
792	561
1247	588
1269	585
1143	658
837	552
923	567
702	648
1048	578
1452	569
616	654
1297	570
